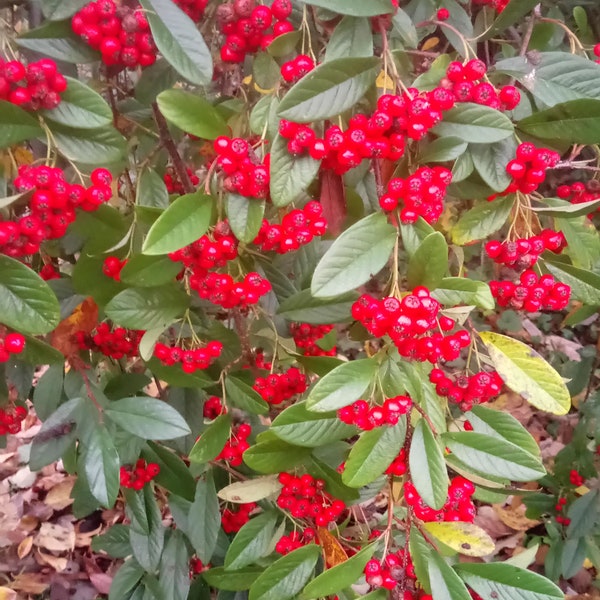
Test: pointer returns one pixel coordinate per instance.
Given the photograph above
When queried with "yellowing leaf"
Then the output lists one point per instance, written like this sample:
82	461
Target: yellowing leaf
465	538
332	549
527	373
430	43
384	81
23	156
251	490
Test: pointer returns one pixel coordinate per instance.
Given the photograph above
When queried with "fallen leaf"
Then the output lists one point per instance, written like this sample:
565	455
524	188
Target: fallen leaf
332	550
101	581
56	538
24	478
7	594
514	517
58	563
24	548
30	583
59	496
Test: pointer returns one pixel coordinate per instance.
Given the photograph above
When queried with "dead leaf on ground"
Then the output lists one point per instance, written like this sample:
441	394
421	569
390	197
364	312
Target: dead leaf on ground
515	517
24	548
59	496
7	594
58	563
30	583
57	538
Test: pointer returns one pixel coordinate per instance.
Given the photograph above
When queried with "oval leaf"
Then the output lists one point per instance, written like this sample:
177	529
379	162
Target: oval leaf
464	538
585	285
452	291
474	123
428	265
482	220
212	440
16	125
252	541
275	456
245	216
356	8
251	490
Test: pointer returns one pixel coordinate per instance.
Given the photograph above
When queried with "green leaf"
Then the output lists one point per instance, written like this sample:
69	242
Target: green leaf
428	265
265	71
445	583
356	8
37	352
154	79
275	456
234	581
47	393
356	255
186	220
285	578
351	37
403	25
212	440
115	542
585	285
330	89
482	220
205	519
27	303
147	540
147	308
263	116
461	26
290	175
373	453
420	553
284	44
179	41
80	106
554	207
103	145
342	386
491	455
584	513
174	576
16	125
427	467
244	397
151	190
252	542
465	538
55	10
339	577
474	123
245	216
298	425
126	580
513	12
490	161
192	114
149	271
176	377
101	463
443	149
304	307
527	373
453	291
174	474
147	418
506	582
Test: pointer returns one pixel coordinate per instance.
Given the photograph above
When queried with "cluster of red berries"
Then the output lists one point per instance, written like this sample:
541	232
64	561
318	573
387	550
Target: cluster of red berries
523	253
211	251
49	271
137	477
233	520
298	67
51	208
467	390
11	343
413	324
580	192
279	387
575	478
528	169
194	9
236	445
191	359
497	5
35	86
288	543
245	173
112	267
116	343
213	407
464	82
305	498
533	293
388	572
121	33
173	183
458	506
11	419
221	289
367	417
248	27
560	506
398	465
298	228
422	194
306	336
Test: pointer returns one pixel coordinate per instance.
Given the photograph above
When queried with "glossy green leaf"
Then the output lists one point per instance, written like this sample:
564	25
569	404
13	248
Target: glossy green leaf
243	396
149	271
554	207
126	580
186	220
482	220
443	149
101	463
47	394
355	256
356	8
474	123
490	162
115	542
514	11
103	145
205	519
55	10
251	542
233	581
174	576
192	114
174	474
453	291
428	265
584	513
212	440
585	285
151	190
351	37
403	25
16	125
305	308
147	538
445	583
275	456
245	216
330	89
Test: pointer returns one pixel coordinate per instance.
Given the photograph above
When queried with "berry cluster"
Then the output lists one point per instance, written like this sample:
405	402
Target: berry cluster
297	228
51	207
458	506
236	445
580	192
367	417
528	169
287	543
233	520
386	573
11	343
306	336
49	271
575	478
221	289
532	293
422	194
467	390
194	9
191	359
245	174
206	253
279	387
112	267
213	407
137	477
497	5
11	419
305	498
173	183
398	465
248	27
298	67
120	33
560	506
523	253
413	324
32	87
117	343
464	82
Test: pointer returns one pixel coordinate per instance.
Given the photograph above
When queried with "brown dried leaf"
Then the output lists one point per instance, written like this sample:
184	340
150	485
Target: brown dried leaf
83	318
514	517
24	548
59	496
57	538
332	549
30	583
58	563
